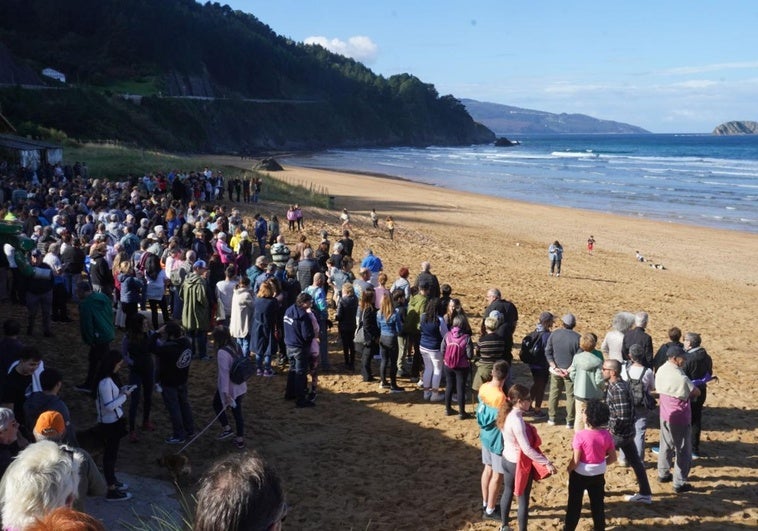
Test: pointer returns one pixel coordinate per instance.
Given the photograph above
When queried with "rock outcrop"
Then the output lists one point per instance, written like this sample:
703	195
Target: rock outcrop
740	127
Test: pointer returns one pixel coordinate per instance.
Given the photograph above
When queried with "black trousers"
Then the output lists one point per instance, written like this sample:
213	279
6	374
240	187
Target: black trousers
696	406
368	352
112	439
457	378
388	351
595	487
348	346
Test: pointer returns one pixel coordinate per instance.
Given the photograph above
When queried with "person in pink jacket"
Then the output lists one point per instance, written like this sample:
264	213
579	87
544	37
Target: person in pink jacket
228	393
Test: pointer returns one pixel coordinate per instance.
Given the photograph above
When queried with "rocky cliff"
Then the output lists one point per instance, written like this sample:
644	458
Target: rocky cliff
741	127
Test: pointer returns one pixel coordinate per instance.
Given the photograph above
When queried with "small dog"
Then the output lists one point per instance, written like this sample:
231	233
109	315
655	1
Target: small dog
178	465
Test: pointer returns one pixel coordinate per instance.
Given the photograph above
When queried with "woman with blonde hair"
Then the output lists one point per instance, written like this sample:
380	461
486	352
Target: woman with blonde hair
390	325
265	320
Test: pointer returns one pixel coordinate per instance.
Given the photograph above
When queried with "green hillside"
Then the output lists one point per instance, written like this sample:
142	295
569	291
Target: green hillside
206	77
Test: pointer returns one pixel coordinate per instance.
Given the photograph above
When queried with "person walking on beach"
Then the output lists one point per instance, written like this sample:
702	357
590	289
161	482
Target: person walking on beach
555	251
390	224
345	219
590	244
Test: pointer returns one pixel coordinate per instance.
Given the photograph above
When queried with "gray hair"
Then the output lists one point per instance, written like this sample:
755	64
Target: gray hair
640	319
307	252
425	266
622	321
494	292
6	416
637	353
693	338
43	477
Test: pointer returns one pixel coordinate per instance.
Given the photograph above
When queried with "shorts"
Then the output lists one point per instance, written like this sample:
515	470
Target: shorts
493	460
482	375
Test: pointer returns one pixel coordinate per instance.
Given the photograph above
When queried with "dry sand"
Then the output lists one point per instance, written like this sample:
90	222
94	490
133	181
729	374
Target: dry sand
367	460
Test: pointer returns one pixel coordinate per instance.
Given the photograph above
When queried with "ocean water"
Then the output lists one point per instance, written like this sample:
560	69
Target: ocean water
694	179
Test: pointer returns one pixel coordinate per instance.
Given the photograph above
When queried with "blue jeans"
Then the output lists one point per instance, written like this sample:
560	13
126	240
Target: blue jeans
68	280
178	407
244	344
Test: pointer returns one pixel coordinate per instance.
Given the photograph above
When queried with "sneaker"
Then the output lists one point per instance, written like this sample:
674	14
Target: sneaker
383	385
550	422
449	412
668	478
420	384
494	515
268	373
684	487
437	397
311	396
175	440
228	432
122	486
239	444
695	456
656	450
427	395
396	389
569	425
259	372
464	416
115	495
639	498
540	415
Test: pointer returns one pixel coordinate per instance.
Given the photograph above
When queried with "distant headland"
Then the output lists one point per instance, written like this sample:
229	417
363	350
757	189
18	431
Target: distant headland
740	127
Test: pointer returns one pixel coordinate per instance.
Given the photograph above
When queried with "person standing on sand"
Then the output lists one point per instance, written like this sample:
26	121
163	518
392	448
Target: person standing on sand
510	317
637	335
390	224
555	251
374	218
374	264
559	351
299	218
698	367
590	244
675	391
491	399
614	339
519	442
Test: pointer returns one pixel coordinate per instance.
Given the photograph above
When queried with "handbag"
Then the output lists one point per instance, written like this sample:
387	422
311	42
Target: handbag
359	337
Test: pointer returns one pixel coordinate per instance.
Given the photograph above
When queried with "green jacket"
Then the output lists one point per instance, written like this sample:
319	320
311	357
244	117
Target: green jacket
196	313
96	319
416	306
585	371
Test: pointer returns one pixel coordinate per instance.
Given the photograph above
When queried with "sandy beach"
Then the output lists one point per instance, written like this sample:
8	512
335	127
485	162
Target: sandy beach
370	460
364	459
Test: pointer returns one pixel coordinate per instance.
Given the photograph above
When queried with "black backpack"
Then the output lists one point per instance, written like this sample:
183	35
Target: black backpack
242	367
640	396
532	349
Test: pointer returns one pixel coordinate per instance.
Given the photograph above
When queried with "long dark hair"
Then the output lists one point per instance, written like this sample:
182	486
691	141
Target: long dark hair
152	266
431	314
108	366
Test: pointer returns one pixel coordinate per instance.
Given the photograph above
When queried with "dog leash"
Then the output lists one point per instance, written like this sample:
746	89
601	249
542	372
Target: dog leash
214	419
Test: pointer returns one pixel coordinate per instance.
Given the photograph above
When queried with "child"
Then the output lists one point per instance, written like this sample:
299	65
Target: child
390	227
593	451
315	355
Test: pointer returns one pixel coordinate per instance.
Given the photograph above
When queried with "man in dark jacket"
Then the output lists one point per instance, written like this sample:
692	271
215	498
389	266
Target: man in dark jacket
698	367
509	318
638	336
47	399
174	354
425	277
306	268
298	334
100	273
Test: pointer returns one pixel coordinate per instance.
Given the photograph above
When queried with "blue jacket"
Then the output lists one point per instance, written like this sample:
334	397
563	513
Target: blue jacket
298	329
392	326
264	324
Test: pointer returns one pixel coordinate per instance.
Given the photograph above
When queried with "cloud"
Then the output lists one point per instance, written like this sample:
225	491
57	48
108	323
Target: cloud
358	47
684	70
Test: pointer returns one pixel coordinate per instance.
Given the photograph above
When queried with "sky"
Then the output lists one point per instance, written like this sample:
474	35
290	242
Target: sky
669	66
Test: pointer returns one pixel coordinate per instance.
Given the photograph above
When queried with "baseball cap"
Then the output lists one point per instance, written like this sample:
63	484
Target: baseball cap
50	424
200	264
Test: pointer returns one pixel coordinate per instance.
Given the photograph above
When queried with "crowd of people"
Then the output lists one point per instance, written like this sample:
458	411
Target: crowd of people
170	244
